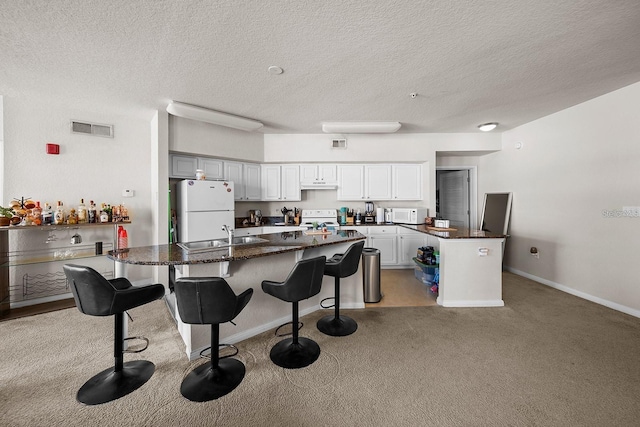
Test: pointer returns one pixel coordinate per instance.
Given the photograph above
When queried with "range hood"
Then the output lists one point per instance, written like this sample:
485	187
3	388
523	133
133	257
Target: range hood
318	185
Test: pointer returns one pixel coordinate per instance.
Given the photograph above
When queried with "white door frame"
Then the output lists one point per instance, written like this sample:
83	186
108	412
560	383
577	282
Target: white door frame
473	191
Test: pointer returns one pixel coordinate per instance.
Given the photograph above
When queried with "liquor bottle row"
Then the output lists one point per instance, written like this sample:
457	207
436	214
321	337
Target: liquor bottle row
31	213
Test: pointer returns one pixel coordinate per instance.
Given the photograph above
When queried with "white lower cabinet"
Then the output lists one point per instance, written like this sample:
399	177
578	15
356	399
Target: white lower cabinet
385	239
408	245
397	245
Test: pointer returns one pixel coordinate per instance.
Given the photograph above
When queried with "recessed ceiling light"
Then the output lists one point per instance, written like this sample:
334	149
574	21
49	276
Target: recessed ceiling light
275	70
486	127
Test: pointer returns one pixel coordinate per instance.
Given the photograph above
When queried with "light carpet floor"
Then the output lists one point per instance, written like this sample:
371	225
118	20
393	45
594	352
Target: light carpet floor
545	359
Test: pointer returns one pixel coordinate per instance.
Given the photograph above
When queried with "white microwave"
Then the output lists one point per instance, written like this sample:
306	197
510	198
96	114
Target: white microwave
408	215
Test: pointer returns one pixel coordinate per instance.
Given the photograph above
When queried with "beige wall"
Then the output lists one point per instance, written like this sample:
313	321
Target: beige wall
572	166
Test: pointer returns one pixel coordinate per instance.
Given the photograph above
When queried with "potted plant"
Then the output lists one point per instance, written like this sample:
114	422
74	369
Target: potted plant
5	216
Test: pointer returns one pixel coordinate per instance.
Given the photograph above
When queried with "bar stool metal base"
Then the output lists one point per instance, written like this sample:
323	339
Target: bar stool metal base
109	385
337	326
205	383
290	355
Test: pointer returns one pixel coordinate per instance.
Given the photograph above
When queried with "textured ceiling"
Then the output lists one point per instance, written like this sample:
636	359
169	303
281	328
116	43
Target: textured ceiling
470	62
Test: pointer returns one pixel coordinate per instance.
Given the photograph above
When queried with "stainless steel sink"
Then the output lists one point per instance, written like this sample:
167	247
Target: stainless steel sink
210	245
245	240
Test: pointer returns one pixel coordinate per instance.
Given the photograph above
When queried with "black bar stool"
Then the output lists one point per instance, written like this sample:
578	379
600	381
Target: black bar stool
210	301
303	282
341	265
97	296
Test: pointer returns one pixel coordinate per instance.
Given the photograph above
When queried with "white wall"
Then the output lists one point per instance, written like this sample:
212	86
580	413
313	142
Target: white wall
89	167
574	165
194	137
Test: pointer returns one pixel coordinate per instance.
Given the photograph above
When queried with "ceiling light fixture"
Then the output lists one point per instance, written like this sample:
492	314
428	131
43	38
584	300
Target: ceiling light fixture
360	127
211	116
274	69
486	127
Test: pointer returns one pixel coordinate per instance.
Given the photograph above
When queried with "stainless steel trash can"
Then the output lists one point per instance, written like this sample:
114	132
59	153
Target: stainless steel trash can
371	274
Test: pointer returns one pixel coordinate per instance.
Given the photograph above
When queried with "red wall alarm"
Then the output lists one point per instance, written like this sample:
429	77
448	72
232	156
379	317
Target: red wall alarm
53	149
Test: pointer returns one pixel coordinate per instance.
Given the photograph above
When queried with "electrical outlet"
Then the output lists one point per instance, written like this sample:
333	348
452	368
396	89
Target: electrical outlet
534	252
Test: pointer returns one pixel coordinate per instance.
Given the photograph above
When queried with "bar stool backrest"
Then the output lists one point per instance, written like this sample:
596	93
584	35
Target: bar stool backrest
208	300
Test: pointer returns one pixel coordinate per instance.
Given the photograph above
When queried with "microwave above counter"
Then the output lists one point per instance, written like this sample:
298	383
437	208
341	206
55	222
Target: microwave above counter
408	215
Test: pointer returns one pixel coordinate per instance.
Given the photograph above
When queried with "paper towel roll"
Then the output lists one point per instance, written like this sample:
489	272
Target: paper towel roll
380	215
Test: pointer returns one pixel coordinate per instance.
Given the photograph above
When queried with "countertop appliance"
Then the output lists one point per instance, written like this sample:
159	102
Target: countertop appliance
369	213
203	208
409	215
327	216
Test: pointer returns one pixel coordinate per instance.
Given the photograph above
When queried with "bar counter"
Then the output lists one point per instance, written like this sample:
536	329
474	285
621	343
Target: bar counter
452	233
277	243
246	266
470	266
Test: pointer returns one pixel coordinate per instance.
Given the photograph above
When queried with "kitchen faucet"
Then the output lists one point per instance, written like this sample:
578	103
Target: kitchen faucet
229	232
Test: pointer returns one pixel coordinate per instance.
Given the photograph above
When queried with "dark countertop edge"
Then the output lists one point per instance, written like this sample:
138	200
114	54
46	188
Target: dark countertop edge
281	249
463	233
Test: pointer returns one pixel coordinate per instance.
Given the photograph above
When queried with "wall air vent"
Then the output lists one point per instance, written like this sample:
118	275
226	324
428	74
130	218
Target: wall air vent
339	143
92	129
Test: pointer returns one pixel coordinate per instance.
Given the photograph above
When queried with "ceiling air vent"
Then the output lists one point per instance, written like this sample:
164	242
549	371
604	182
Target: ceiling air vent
339	143
92	129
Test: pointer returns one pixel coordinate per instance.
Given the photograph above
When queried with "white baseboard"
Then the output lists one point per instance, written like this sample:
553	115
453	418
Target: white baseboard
474	303
615	306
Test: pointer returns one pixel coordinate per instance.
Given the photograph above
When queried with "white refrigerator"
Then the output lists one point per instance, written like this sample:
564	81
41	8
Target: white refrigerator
203	208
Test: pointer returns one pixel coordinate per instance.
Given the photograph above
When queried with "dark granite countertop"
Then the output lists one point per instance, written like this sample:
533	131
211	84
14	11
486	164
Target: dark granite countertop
461	233
277	243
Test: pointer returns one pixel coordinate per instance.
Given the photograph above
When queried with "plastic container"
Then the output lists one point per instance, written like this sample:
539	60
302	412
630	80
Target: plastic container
123	238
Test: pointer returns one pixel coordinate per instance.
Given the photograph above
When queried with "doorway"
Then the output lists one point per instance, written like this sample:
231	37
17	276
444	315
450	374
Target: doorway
456	196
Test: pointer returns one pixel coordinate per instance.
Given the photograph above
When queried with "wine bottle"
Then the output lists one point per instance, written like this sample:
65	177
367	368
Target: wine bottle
92	213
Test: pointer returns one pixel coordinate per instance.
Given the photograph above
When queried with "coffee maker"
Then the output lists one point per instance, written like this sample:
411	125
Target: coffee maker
369	213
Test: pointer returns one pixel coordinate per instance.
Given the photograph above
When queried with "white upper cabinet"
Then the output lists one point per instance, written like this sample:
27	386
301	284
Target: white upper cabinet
271	182
350	182
213	168
185	167
377	182
407	182
355	182
291	182
252	186
281	182
364	182
318	172
233	172
246	179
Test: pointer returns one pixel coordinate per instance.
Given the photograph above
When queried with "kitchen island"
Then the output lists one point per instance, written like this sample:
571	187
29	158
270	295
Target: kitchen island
246	266
470	266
